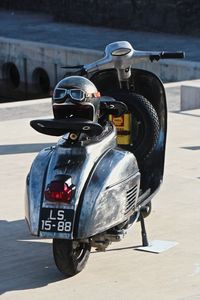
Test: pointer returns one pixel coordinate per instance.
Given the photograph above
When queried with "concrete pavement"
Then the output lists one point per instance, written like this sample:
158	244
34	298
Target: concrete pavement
27	269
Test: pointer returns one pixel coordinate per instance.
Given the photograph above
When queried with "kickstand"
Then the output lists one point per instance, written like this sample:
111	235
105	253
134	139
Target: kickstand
145	242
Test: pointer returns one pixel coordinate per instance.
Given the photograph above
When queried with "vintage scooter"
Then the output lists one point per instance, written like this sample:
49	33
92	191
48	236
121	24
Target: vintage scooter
100	177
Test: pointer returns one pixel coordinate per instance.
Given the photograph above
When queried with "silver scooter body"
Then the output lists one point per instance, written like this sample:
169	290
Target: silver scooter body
107	183
107	188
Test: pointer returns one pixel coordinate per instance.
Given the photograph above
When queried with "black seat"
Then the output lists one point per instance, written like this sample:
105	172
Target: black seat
60	127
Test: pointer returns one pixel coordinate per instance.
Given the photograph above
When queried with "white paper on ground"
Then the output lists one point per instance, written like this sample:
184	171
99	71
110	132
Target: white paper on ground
157	246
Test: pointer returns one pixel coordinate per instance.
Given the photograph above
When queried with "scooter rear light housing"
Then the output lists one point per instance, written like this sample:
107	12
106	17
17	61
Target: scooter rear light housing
60	190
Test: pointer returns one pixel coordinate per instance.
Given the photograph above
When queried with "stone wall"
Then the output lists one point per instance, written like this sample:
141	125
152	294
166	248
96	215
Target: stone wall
173	16
31	70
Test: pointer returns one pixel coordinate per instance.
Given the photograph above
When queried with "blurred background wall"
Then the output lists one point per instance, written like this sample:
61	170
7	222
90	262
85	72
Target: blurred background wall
181	16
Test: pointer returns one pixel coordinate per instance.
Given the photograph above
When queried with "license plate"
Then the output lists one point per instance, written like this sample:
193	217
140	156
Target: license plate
56	220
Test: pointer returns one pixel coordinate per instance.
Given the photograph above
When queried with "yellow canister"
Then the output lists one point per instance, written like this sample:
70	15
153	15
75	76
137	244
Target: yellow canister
123	126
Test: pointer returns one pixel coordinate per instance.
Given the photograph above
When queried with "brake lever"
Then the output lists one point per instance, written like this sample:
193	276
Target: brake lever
73	67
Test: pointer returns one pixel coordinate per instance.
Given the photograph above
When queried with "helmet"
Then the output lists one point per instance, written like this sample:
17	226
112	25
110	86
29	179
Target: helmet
76	96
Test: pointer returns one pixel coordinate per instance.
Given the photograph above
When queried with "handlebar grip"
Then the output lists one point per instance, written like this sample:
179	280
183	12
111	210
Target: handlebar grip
178	54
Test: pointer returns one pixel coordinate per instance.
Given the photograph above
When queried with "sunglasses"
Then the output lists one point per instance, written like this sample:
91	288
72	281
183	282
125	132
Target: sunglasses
75	94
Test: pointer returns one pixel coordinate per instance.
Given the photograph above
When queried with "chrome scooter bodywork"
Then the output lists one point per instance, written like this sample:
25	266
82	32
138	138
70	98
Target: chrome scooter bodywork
110	185
107	186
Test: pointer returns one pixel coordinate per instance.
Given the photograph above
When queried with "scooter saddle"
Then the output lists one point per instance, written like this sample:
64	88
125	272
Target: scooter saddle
60	127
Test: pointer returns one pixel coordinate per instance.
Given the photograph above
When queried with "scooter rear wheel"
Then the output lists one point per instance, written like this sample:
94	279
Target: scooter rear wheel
70	256
145	124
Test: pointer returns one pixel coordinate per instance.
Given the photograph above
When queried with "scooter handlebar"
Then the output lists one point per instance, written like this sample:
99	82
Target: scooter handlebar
120	61
168	55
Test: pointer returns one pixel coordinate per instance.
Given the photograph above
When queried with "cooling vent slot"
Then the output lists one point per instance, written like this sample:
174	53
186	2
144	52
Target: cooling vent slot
131	195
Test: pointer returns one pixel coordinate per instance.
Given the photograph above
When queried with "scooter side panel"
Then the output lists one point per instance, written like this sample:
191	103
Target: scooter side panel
104	203
76	162
34	189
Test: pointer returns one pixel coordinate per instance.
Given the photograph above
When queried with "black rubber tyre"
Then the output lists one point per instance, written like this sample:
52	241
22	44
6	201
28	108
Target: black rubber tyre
70	256
145	124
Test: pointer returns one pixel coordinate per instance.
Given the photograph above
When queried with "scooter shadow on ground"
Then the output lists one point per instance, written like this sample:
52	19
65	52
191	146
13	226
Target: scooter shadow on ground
21	266
23	148
186	114
118	249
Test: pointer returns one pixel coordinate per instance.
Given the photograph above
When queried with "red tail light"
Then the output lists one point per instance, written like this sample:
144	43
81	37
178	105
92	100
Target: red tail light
60	191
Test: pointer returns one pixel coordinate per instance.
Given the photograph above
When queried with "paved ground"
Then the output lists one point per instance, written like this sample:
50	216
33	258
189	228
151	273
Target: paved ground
27	269
35	108
42	28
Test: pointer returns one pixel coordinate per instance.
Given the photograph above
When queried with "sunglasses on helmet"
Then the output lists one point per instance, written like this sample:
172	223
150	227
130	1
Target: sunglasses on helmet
75	94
